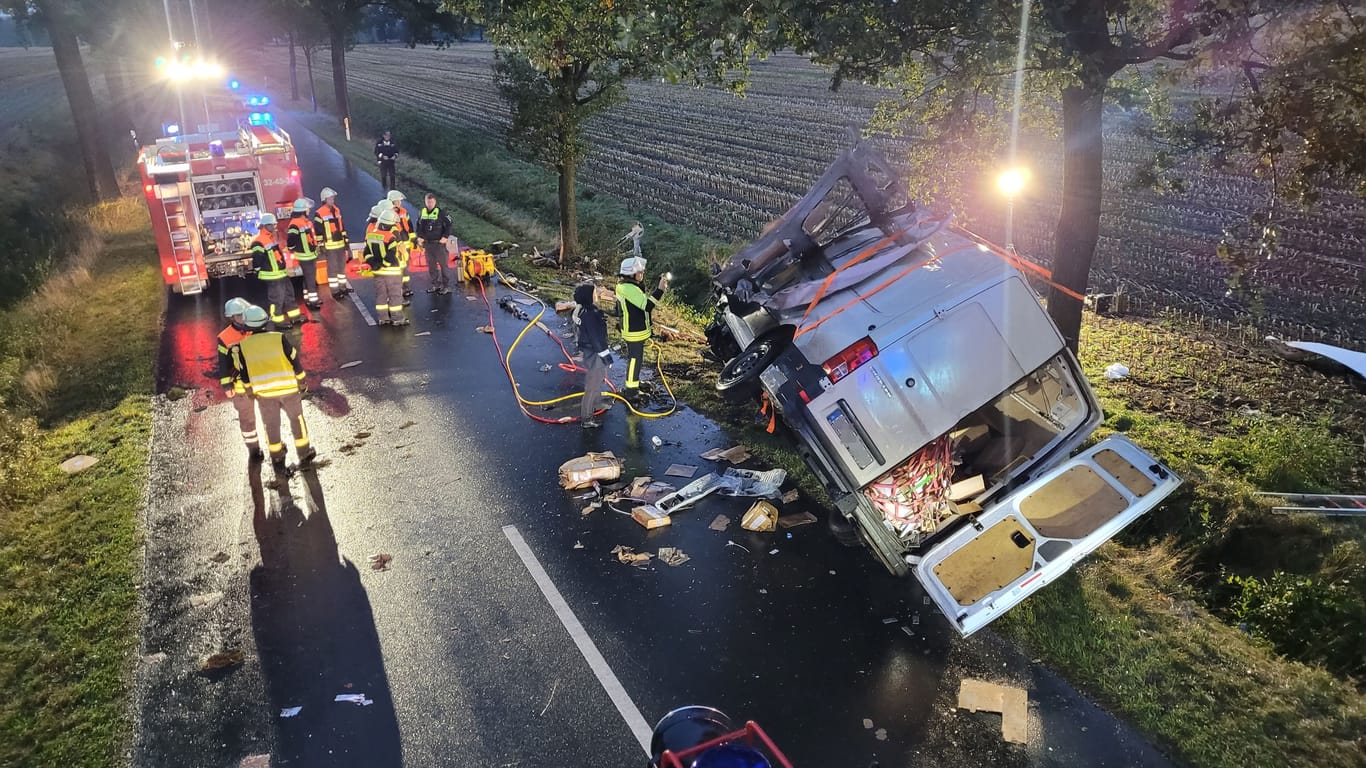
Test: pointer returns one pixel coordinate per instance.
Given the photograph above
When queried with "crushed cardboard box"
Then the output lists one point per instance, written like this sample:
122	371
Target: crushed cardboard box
672	556
650	516
762	516
737	454
1011	702
680	470
796	519
966	489
720	523
629	556
583	471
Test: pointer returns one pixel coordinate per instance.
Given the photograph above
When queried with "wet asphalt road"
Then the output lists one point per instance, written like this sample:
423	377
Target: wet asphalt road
427	458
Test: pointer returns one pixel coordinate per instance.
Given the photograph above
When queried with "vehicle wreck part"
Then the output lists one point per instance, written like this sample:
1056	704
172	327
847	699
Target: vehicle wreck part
739	378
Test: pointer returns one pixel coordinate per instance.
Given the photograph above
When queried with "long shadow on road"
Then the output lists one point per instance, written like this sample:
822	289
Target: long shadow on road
316	637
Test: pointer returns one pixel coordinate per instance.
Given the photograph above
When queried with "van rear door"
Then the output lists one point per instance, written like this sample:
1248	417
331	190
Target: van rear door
1039	531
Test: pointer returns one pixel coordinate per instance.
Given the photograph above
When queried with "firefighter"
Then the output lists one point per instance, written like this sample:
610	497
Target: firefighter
269	263
303	244
328	227
634	308
433	230
270	370
407	240
233	388
386	156
382	254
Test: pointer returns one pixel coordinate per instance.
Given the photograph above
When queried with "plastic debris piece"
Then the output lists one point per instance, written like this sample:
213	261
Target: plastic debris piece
578	545
380	562
351	364
588	510
290	711
1115	371
680	470
730	543
629	556
721	523
359	699
909	632
773	551
423	333
749	482
656	442
223	660
672	556
796	519
890	620
79	463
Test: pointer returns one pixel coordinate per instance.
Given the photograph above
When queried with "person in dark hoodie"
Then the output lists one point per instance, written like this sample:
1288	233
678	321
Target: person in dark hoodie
597	357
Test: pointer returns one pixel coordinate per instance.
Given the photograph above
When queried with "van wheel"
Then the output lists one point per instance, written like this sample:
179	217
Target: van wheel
842	529
739	379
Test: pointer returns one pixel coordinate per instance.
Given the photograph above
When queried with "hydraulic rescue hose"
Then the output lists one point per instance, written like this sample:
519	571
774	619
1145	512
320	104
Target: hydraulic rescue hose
569	366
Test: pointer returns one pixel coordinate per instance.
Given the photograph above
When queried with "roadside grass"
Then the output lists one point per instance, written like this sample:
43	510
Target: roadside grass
75	377
1148	623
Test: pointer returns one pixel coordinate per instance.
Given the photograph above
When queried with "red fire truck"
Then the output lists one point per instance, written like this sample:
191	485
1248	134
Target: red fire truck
206	190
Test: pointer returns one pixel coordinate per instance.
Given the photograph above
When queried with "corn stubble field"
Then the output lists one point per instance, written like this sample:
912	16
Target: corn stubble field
724	166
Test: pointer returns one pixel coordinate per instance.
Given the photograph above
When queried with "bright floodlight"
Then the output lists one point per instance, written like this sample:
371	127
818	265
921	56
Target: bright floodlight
1011	182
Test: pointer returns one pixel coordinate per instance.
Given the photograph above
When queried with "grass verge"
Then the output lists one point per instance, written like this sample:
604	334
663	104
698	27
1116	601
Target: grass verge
76	360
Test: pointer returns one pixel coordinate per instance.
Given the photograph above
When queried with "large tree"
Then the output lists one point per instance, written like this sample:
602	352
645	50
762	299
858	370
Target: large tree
955	59
61	20
563	61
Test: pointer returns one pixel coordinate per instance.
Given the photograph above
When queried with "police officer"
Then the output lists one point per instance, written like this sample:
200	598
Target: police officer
634	307
433	231
331	233
269	263
303	244
233	388
270	370
382	254
386	156
407	239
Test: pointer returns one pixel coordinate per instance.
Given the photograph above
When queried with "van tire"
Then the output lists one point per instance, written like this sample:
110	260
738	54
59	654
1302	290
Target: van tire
842	528
739	378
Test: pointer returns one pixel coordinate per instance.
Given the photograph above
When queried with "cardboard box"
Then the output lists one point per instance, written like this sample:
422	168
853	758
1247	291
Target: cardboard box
651	516
588	469
966	489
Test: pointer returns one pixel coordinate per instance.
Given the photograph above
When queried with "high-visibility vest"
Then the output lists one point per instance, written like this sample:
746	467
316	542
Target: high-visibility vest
301	232
380	247
327	225
266	256
405	225
227	339
267	370
635	311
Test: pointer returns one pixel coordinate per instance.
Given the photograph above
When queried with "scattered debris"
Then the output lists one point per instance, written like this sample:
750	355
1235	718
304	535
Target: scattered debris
351	364
791	496
564	306
629	556
761	517
890	620
721	523
867	724
656	442
485	329
467	298
154	658
643	489
223	660
737	454
1116	371
220	557
796	519
773	551
553	688
730	543
423	333
650	516
255	761
405	425
909	632
880	734
546	368
1304	351
749	482
206	600
358	699
578	544
583	471
361	435
1011	702
290	711
680	470
588	510
79	463
672	556
380	562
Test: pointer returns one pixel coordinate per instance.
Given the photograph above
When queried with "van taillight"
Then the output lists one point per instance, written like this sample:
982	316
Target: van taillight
850	358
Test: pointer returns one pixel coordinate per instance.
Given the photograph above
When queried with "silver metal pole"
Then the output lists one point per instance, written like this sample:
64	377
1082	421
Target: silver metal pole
170	34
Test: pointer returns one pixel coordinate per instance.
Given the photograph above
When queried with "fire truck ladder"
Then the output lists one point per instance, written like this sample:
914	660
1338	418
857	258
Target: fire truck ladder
1326	504
182	248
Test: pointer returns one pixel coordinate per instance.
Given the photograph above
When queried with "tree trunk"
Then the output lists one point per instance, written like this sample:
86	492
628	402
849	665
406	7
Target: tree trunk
338	45
569	214
312	87
293	70
1079	221
99	170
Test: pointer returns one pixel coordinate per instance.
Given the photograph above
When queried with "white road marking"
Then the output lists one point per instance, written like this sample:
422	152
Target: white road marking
364	310
628	709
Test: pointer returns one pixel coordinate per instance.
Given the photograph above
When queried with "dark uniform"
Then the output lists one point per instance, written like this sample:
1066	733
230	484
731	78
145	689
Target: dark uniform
433	229
386	154
269	264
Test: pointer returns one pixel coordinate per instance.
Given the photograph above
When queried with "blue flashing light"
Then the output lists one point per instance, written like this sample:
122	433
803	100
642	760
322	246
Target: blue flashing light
171	129
265	101
261	118
258	101
234	84
160	62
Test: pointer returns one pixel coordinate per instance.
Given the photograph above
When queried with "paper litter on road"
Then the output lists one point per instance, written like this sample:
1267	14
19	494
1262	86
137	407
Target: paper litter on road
208	599
1010	701
672	556
773	551
424	333
629	556
485	329
791	496
644	489
680	470
290	711
255	761
380	562
223	659
737	454
578	545
546	368
588	510
890	620
354	698
721	523
749	482
796	519
351	364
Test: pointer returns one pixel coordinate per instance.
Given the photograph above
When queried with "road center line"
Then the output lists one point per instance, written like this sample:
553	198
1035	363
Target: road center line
629	712
364	310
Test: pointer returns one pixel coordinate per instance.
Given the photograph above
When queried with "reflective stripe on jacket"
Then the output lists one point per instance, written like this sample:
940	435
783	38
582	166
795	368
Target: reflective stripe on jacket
301	240
269	364
405	225
381	251
635	307
266	258
328	226
227	374
433	224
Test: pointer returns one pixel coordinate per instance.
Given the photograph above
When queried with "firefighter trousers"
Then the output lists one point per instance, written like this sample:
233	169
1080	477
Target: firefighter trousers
635	358
336	267
310	268
437	268
389	297
246	418
293	407
284	310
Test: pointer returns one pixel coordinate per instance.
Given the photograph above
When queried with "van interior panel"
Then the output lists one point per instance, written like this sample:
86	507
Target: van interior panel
999	556
1073	505
1127	474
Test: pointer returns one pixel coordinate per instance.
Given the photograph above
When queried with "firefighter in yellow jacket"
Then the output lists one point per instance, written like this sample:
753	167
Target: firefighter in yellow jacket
407	240
331	231
233	388
302	241
382	256
270	371
268	260
634	307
